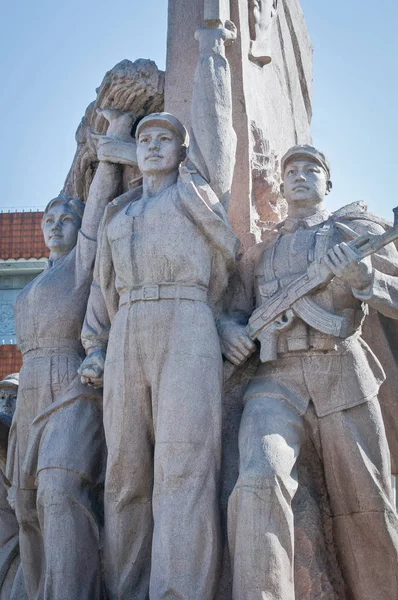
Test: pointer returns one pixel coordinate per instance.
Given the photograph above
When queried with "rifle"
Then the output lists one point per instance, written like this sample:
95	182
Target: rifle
278	313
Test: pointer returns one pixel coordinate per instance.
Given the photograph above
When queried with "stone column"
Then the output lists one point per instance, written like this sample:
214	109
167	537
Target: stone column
272	103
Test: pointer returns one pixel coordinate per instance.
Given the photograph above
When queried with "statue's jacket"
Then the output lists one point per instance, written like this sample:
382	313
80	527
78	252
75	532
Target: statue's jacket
184	235
184	231
339	372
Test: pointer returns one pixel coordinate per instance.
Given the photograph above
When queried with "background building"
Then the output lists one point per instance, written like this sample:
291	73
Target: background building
22	257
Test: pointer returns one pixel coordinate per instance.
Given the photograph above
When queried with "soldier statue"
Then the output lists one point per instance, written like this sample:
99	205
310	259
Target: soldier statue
318	378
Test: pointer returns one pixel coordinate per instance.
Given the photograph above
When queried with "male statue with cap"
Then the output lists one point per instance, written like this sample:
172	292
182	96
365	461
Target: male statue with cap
318	384
8	398
165	253
11	578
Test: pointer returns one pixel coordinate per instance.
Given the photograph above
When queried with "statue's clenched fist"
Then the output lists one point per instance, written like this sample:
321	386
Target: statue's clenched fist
236	345
117	146
92	369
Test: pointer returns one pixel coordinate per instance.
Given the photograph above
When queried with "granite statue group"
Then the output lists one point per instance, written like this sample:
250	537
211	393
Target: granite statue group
114	451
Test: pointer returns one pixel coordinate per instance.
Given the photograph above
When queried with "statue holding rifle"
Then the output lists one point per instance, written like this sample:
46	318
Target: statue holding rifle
311	285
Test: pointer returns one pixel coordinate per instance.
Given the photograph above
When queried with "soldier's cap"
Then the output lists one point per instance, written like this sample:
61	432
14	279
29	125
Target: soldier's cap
166	120
305	152
10	381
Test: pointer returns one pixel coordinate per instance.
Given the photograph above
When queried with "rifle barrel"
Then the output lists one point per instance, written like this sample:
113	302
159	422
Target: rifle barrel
376	243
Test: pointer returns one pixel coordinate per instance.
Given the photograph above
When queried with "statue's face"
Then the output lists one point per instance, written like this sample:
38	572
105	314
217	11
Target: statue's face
60	228
159	150
304	183
8	398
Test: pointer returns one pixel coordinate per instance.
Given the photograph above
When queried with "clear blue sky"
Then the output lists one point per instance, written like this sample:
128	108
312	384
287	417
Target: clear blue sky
54	54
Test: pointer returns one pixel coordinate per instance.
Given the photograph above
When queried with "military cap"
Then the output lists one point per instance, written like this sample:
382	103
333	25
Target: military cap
305	152
166	120
10	381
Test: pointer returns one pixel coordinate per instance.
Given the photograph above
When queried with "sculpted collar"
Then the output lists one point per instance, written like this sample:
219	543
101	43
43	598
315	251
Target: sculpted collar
51	262
293	223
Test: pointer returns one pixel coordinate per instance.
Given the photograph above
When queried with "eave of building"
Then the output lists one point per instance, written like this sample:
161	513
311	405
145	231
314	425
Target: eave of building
22	266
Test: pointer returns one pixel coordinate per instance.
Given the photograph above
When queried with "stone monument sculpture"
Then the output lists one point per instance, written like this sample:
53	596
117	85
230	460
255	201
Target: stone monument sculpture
318	378
11	578
164	285
165	253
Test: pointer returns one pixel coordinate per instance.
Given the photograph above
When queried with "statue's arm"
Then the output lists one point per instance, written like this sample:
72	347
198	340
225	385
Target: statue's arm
104	188
382	292
236	345
378	274
115	149
97	322
213	139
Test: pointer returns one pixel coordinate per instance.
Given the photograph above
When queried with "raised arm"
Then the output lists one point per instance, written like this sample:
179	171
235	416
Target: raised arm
213	139
104	188
114	149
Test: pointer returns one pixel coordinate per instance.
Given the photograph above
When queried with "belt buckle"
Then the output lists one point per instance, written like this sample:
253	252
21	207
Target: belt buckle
150	292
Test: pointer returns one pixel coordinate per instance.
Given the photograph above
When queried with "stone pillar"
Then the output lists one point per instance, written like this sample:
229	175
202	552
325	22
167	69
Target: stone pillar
271	103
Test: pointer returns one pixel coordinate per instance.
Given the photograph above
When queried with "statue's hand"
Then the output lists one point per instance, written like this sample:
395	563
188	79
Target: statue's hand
91	370
213	39
230	32
11	496
236	345
117	146
120	123
344	263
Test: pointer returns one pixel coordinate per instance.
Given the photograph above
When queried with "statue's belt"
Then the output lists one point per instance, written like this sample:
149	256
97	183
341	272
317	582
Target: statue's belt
163	291
43	347
309	341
